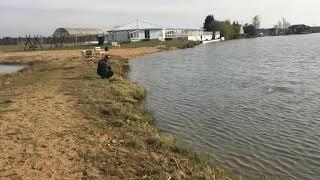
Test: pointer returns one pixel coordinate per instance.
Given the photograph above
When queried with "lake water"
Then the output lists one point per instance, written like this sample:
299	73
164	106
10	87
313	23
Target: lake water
253	105
9	68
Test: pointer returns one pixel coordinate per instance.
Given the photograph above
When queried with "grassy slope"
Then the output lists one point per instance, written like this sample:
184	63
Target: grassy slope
116	138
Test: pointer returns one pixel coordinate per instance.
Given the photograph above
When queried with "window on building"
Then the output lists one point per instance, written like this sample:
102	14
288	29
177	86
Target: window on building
134	35
147	34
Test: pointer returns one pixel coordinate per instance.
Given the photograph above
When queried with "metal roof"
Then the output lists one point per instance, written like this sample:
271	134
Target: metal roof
138	24
298	25
77	31
145	25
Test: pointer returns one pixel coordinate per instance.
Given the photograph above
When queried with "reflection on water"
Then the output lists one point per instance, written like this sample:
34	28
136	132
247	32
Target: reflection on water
9	68
252	105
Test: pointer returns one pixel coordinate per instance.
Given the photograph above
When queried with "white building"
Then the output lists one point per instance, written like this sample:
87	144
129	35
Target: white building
241	30
142	30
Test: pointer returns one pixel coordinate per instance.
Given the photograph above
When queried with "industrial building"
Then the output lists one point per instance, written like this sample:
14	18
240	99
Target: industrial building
316	29
77	32
76	36
300	29
140	30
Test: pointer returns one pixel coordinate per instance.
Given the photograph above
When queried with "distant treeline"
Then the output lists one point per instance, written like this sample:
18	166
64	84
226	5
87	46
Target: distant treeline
235	30
232	30
9	41
47	40
227	29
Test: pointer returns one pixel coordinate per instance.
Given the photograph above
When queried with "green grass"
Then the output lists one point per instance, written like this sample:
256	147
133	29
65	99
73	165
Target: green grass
133	142
166	44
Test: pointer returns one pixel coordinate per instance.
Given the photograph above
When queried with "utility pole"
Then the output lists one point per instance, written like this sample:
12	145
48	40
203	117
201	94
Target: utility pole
138	23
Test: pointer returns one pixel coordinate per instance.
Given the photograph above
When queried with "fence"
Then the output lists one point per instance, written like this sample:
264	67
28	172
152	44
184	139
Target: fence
59	41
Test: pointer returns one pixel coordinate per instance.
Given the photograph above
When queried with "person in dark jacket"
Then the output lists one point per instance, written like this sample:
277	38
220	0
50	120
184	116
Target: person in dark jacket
104	69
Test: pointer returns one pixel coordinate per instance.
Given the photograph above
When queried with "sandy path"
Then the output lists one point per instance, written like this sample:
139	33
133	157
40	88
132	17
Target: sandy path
38	134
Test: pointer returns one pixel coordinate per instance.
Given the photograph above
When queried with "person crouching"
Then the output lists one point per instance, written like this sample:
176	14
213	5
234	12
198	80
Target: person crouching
104	69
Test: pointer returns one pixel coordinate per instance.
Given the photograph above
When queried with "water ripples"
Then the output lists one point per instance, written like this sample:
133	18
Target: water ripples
252	105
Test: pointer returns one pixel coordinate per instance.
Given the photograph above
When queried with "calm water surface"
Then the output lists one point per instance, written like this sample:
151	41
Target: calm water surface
252	105
9	69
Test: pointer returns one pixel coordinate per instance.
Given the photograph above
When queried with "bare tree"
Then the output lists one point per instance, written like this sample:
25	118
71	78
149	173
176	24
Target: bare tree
285	23
256	21
280	24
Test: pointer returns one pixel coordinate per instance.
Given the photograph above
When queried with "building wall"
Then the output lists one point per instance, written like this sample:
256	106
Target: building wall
316	29
156	34
208	37
300	29
217	35
194	38
120	36
200	38
141	34
160	34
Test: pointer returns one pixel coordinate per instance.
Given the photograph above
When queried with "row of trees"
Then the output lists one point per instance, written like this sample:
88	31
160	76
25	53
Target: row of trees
251	29
232	30
228	30
282	24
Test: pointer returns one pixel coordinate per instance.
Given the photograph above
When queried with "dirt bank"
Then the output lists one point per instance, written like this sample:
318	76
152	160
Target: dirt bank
61	121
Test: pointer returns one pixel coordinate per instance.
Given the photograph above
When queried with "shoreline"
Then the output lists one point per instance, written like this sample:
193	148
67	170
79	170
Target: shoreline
118	126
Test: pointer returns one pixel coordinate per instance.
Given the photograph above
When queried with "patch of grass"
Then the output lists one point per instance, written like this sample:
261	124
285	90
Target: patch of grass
166	45
6	48
139	44
169	142
180	44
133	142
116	97
125	91
5	78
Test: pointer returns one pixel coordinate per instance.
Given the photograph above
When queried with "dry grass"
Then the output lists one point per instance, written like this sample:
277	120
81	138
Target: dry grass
169	44
7	48
62	121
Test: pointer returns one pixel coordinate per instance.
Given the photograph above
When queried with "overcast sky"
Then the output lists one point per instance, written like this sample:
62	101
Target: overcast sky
21	17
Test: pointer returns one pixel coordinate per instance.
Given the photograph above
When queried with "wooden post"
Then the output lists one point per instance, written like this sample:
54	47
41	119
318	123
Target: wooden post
53	39
25	45
36	40
29	43
62	41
